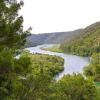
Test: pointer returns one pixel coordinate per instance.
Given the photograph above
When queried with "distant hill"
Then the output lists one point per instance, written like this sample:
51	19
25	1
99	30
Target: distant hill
51	38
86	43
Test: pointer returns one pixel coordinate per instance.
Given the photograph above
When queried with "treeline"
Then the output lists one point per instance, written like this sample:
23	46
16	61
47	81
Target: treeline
42	85
88	44
46	63
31	77
93	69
85	44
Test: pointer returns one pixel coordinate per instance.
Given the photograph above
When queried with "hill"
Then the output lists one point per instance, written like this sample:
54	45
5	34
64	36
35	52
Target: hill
86	43
51	38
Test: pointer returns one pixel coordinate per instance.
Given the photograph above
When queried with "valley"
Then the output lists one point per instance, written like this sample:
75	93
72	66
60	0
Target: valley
50	65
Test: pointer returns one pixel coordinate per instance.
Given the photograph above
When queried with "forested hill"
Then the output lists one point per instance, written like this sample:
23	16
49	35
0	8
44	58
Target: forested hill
51	38
86	43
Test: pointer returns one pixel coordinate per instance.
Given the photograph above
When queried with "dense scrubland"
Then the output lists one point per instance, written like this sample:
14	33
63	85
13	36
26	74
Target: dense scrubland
31	76
86	44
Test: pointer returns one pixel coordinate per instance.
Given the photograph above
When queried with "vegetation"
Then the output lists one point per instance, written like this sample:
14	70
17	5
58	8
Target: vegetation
42	62
86	44
55	48
43	69
11	29
93	69
74	87
52	38
70	87
31	77
12	37
98	89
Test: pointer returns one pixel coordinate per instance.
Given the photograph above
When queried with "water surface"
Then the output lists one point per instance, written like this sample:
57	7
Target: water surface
72	63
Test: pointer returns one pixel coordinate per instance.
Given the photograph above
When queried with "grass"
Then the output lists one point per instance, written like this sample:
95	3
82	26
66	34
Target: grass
55	48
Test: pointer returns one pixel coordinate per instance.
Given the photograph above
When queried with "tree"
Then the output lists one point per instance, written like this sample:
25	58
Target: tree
12	37
11	25
74	87
93	69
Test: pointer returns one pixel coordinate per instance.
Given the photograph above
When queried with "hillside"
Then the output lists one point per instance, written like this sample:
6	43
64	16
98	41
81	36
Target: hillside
51	38
86	43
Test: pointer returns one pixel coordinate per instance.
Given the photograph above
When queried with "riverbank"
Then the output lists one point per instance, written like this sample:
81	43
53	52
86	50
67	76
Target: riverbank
54	48
47	63
72	63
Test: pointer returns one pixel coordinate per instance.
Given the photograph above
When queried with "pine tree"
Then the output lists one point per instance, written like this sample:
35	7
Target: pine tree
12	37
11	25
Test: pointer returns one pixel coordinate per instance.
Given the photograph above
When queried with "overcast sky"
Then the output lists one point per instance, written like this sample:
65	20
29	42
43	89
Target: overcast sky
59	15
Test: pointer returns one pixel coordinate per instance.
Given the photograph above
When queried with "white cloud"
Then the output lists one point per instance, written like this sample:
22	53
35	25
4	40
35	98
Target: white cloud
59	15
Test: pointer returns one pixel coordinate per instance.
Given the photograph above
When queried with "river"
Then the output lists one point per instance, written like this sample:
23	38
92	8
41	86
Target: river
72	63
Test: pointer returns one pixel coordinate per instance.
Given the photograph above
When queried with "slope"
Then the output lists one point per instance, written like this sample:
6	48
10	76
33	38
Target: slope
86	43
51	38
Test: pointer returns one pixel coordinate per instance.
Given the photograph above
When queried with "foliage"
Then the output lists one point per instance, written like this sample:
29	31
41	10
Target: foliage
45	63
97	84
55	48
74	87
11	71
85	44
30	77
43	68
11	29
93	69
12	37
31	81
